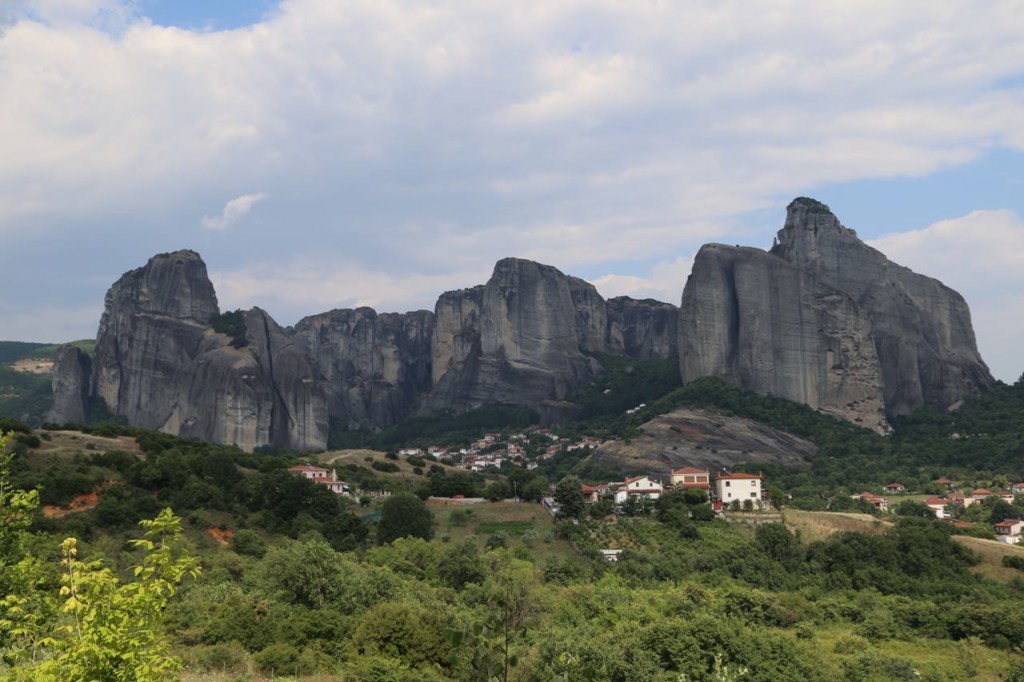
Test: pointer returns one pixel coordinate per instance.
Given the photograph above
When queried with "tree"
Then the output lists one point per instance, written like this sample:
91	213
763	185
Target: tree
569	497
404	515
111	630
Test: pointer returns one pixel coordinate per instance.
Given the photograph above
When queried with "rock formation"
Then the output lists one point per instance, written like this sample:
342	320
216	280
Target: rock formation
159	364
826	320
645	329
516	340
375	369
71	370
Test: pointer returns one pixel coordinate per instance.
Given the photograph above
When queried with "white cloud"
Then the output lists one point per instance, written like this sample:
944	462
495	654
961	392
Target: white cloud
980	255
664	282
425	141
234	210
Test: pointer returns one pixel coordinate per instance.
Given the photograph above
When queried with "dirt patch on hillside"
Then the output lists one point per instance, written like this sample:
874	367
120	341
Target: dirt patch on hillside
33	366
222	536
75	441
79	503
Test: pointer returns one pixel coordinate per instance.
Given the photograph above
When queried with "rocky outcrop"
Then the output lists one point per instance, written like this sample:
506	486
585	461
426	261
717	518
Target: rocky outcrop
375	368
825	320
159	364
713	441
645	329
517	340
70	382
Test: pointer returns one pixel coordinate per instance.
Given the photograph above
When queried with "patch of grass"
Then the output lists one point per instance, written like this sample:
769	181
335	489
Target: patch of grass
820	525
510	527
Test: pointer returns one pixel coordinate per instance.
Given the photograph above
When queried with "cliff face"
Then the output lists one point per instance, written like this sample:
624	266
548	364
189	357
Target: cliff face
826	320
71	370
516	340
160	365
643	329
375	369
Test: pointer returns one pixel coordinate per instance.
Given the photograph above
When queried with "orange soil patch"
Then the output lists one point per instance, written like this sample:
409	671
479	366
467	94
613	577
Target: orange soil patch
79	503
221	536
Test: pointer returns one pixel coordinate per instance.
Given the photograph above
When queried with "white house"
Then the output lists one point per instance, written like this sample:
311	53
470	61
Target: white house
739	487
877	501
320	475
1009	530
938	506
638	486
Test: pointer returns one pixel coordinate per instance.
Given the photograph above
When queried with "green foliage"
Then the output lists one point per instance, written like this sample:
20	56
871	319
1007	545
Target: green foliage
109	629
233	325
569	497
404	515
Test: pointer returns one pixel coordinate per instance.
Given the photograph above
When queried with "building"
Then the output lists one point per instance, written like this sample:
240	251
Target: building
638	487
731	488
878	502
937	505
895	487
1009	530
323	477
692	477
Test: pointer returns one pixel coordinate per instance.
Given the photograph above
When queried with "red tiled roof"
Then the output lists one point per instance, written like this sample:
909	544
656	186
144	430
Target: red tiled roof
690	470
738	476
306	467
936	501
981	491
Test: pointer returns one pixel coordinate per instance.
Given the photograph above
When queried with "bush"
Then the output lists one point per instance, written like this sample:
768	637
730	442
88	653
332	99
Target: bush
1013	561
248	542
221	658
387	467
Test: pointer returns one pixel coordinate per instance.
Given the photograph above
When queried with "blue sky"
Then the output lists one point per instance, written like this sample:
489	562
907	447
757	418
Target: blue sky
324	154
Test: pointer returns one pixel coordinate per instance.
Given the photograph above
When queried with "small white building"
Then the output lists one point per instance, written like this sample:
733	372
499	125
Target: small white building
638	487
1009	531
730	488
938	506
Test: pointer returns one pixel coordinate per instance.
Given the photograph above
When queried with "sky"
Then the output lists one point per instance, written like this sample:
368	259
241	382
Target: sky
326	154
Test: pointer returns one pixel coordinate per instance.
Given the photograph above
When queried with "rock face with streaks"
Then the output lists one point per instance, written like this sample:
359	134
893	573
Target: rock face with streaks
71	370
159	364
645	329
826	320
516	340
375	368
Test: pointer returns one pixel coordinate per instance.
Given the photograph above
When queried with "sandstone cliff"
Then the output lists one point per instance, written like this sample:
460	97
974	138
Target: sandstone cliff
826	320
375	368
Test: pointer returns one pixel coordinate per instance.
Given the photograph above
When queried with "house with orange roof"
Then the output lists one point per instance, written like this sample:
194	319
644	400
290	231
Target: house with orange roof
877	501
895	487
638	486
1009	530
980	494
692	477
323	477
937	505
731	488
945	482
594	493
1017	488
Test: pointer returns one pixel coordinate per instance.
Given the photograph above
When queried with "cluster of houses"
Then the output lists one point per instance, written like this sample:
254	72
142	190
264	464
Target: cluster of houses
494	450
722	489
1008	531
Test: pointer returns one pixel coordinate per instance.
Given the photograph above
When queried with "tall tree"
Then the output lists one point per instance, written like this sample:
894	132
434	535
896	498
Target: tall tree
404	515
